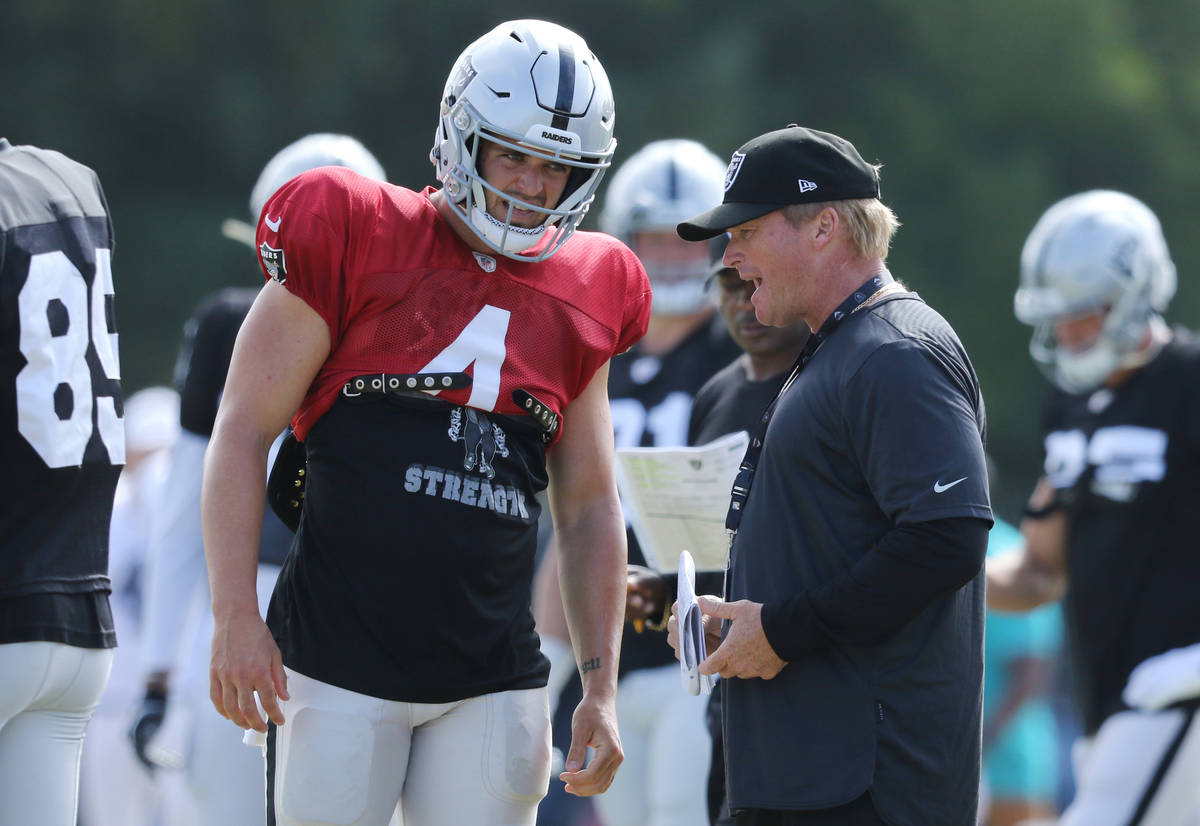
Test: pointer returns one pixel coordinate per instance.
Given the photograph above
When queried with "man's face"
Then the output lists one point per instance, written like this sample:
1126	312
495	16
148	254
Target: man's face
1077	332
769	253
667	248
530	178
669	260
755	338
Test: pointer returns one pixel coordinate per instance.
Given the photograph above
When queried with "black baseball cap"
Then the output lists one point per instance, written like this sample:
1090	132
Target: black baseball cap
794	165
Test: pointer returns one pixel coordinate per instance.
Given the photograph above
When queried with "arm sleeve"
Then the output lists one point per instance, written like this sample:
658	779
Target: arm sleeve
636	316
176	572
912	566
305	247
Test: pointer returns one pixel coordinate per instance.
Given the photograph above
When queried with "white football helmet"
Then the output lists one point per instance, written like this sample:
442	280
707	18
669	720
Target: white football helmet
536	88
311	151
662	184
1098	250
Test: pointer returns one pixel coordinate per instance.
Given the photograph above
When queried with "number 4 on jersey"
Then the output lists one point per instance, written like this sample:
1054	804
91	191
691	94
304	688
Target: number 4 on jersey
481	342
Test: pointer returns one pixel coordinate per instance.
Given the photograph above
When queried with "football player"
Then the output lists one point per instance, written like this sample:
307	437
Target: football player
1112	524
177	728
114	788
442	356
62	435
651	389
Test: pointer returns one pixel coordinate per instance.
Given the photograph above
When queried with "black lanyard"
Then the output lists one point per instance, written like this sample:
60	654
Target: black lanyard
745	475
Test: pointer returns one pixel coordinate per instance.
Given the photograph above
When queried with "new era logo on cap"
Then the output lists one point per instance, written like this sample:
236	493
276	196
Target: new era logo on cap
761	173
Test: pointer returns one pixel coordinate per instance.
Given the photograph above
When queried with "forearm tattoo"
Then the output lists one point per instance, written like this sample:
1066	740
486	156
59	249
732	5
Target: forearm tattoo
590	665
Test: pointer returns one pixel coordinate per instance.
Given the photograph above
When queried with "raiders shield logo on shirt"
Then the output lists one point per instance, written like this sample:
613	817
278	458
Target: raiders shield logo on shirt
272	260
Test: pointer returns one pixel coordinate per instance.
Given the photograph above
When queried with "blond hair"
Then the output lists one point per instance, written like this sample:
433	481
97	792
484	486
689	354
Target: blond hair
871	222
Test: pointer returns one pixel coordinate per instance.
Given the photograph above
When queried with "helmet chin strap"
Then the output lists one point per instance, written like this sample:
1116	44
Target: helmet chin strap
502	236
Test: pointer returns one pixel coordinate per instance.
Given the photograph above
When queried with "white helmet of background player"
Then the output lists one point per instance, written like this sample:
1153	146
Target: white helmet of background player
662	184
1099	250
534	87
311	151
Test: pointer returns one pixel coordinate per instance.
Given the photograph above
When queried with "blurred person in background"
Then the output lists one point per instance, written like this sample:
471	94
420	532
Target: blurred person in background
115	788
62	440
1020	730
1111	527
650	390
210	775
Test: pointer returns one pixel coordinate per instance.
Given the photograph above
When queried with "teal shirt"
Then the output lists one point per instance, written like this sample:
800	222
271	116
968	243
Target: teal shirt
1022	760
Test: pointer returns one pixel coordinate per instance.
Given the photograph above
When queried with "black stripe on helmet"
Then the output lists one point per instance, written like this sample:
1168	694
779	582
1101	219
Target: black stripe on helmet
566	86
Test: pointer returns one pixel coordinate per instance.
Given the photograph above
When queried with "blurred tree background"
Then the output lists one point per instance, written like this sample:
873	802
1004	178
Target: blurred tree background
983	113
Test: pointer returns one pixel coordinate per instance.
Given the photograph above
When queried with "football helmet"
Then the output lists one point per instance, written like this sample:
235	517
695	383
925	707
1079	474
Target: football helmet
311	151
536	88
662	184
1099	250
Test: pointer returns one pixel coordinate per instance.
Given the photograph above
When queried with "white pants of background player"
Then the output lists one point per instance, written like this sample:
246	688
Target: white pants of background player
1141	768
1139	763
211	776
664	778
348	759
47	696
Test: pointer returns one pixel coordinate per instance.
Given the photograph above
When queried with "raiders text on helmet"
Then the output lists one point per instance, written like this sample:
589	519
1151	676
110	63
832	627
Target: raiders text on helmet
533	87
1098	250
662	184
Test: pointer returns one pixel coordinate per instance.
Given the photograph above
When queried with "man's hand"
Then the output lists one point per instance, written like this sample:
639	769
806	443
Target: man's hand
712	629
147	722
744	652
645	597
245	660
594	725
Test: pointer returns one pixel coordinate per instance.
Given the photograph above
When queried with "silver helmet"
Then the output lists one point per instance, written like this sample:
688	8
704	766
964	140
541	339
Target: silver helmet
662	184
1099	250
536	88
310	152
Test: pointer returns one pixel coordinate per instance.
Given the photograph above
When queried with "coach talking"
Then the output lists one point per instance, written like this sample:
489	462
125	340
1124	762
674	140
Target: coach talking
853	618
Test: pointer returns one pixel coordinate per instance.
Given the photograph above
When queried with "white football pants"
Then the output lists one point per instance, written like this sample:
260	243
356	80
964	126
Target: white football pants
664	779
347	759
48	692
1140	769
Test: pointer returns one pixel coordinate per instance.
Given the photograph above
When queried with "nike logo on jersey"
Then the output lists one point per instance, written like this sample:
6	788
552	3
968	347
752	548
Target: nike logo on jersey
938	487
273	225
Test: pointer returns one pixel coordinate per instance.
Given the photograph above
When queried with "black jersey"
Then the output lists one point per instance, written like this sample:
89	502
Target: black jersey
731	401
439	503
651	402
200	372
61	430
1126	464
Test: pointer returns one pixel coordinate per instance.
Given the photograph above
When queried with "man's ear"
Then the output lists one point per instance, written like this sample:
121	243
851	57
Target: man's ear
825	226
